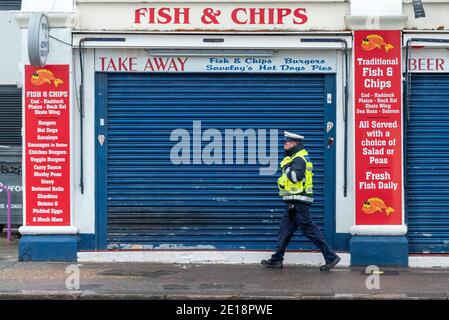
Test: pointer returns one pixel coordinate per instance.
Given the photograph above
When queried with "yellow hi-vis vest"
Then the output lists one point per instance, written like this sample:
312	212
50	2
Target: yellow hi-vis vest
301	190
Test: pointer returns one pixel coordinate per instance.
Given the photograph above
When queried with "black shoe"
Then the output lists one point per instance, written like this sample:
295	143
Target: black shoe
329	265
270	263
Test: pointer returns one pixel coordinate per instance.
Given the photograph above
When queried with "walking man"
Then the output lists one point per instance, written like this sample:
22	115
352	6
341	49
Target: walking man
296	189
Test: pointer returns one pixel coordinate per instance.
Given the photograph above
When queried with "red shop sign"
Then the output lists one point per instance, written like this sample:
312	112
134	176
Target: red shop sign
47	145
378	127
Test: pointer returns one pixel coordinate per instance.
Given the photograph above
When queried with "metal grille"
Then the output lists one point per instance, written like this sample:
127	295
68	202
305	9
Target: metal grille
10	4
10	115
155	203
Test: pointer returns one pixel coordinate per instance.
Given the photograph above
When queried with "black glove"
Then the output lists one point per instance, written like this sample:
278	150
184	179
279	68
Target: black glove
291	210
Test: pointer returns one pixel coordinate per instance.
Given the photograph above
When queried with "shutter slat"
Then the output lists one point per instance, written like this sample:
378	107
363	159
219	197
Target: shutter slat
10	4
10	116
427	163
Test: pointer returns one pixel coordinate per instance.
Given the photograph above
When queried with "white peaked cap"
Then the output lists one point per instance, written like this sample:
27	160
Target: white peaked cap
294	136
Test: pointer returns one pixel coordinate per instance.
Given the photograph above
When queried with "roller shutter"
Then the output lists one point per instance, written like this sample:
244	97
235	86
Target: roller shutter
10	4
10	116
428	163
153	203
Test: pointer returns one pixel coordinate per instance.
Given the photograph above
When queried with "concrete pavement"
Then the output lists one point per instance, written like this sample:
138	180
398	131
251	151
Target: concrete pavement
31	280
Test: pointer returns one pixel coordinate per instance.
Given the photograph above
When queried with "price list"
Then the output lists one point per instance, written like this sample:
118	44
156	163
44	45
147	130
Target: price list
47	145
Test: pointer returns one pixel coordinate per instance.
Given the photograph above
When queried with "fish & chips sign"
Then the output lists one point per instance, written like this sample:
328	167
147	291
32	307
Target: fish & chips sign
47	145
215	16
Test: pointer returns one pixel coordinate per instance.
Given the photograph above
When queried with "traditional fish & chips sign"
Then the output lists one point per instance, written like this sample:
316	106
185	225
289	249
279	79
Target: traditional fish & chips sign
378	127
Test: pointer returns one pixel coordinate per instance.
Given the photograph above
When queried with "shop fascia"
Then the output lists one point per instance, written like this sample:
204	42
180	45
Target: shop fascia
214	16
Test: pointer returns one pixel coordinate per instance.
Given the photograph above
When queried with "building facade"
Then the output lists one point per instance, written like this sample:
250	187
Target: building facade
159	125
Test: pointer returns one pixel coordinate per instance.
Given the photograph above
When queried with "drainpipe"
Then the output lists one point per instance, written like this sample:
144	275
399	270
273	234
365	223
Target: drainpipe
407	74
81	111
81	102
345	106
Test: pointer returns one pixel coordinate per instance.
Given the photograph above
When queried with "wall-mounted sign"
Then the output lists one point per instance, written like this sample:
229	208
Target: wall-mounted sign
287	61
378	127
47	145
428	60
11	177
38	39
215	16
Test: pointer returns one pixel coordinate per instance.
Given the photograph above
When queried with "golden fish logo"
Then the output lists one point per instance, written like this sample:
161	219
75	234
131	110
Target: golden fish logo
373	41
376	204
42	76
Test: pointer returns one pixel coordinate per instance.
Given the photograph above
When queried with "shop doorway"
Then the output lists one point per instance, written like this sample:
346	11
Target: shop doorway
146	200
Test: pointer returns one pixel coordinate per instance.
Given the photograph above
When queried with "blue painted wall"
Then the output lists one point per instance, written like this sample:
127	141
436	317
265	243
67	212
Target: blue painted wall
389	251
48	248
86	242
342	241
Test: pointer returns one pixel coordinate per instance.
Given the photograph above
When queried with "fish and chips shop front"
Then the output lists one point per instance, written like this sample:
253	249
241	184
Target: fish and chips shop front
154	130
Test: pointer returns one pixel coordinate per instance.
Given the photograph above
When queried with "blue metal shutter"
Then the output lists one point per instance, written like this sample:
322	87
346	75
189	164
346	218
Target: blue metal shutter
428	163
154	203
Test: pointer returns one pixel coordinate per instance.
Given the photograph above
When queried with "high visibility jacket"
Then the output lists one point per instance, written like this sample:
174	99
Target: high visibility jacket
301	190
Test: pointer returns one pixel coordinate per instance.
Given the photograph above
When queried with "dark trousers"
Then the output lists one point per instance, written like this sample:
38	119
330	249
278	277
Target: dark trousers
302	219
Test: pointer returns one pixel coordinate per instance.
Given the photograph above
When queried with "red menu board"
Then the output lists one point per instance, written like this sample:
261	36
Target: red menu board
47	145
378	127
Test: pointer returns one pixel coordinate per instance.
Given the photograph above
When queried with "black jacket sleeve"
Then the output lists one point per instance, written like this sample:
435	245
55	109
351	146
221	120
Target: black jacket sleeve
295	171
